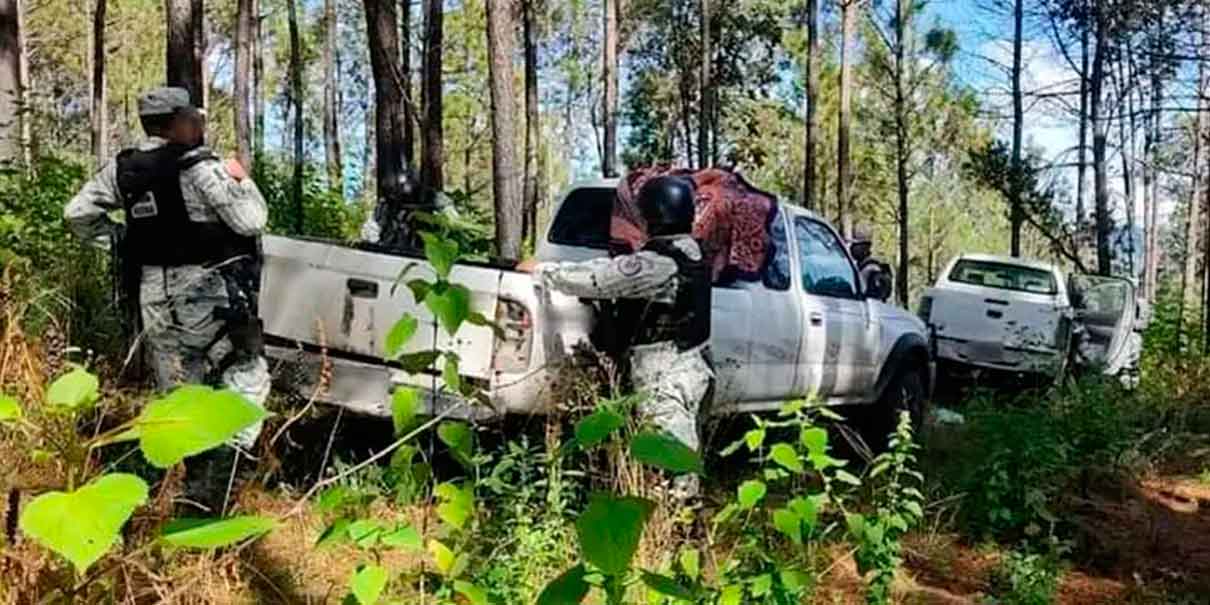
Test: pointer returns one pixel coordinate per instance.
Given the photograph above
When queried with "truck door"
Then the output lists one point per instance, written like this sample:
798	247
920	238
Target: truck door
1105	317
835	360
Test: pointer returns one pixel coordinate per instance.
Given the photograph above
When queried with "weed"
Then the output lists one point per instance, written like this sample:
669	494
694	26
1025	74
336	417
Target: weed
1025	578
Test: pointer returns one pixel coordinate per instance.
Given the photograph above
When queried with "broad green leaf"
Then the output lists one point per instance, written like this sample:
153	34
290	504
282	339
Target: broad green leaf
458	437
9	408
750	493
795	580
785	455
420	289
598	426
451	306
754	439
415	363
847	477
457	504
762	585
807	509
609	531
914	508
400	334
474	595
570	588
815	440
441	253
333	498
788	523
365	533
73	390
448	563
405	406
691	563
207	534
450	375
477	319
732	594
335	533
856	524
662	450
667	586
191	420
368	583
81	526
405	536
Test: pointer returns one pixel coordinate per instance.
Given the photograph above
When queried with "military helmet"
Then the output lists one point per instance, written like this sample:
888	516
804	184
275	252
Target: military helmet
667	205
861	235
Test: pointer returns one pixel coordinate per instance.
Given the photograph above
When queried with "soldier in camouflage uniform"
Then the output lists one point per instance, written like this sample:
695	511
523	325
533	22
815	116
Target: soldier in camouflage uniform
190	232
663	295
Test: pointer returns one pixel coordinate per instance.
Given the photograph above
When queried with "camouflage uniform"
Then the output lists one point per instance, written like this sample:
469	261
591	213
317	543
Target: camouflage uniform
178	303
675	382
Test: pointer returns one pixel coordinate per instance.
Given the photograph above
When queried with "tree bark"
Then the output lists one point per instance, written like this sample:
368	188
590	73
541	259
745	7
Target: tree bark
1100	167
245	25
10	84
1193	212
903	15
505	176
1081	152
258	83
533	128
812	120
99	112
844	176
432	168
183	61
382	30
331	105
409	106
1151	181
296	87
609	72
707	90
1015	210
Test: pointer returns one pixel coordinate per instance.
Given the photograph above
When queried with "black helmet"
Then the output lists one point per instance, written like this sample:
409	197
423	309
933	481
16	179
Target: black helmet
667	205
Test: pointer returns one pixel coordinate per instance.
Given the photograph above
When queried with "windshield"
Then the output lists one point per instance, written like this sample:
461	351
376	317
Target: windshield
1004	276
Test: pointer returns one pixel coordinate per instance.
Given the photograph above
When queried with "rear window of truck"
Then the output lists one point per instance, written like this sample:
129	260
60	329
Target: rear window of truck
583	219
1004	277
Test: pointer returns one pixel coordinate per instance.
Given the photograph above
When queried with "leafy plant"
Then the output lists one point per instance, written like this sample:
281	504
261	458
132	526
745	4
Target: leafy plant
1025	578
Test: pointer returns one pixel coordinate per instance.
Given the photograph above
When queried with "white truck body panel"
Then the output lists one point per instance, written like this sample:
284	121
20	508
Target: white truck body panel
768	344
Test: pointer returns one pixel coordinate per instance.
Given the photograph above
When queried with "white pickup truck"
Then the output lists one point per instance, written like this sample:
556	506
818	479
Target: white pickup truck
1023	316
806	328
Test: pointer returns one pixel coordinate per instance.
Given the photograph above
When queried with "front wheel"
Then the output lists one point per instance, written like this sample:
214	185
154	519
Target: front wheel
906	393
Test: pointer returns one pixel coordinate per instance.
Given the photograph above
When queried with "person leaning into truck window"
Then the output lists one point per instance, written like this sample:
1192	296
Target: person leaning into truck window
664	292
875	274
189	240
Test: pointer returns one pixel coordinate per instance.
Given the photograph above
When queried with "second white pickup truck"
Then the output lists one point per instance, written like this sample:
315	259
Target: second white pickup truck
806	328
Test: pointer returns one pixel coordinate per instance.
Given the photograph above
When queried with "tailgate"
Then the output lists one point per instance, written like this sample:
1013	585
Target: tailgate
999	318
326	294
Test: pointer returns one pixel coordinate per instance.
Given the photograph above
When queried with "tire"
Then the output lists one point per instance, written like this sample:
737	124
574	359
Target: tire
906	393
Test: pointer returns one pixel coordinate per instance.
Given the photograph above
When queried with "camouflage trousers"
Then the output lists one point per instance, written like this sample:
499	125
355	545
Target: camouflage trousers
674	384
181	333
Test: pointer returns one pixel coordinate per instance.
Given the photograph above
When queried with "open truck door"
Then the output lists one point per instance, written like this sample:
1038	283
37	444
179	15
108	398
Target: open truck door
1104	326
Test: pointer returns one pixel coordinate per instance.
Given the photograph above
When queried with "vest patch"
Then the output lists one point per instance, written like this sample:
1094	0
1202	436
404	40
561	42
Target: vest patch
145	208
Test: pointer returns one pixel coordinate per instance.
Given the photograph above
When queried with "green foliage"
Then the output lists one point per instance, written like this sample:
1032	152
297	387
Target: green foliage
326	213
209	534
189	421
662	450
83	525
609	531
598	426
1025	578
368	583
74	391
10	409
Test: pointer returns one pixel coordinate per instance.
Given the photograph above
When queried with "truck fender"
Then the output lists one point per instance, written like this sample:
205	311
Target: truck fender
910	350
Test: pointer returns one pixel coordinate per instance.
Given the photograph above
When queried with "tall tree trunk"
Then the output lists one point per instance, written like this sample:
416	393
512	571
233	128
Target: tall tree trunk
1128	144
1100	166
368	187
409	105
1081	151
533	129
609	71
258	84
1193	216
1016	216
903	15
812	119
245	25
10	84
432	173
99	112
1151	180
382	29
505	176
844	175
24	86
707	92
184	65
331	106
296	87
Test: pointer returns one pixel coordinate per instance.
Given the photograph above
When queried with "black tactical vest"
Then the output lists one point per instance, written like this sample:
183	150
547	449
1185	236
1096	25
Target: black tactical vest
686	321
158	230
